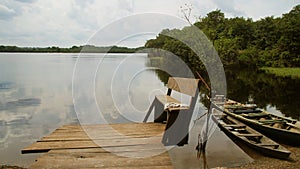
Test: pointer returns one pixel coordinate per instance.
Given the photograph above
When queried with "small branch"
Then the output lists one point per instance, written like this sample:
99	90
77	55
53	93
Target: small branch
186	11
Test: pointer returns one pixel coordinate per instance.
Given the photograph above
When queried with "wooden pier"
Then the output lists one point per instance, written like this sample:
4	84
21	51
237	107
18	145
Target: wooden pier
133	145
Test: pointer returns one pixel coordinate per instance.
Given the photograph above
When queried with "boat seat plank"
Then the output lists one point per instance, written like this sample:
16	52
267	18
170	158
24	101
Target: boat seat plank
271	121
235	125
164	99
254	115
263	144
249	135
246	111
293	126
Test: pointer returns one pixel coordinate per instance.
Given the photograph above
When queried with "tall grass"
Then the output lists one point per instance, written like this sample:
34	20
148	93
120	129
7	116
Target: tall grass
292	72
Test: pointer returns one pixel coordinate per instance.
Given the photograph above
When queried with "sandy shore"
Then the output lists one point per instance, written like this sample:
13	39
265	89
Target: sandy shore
263	162
10	167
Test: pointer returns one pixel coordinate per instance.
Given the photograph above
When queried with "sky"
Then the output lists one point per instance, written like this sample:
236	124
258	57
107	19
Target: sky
64	23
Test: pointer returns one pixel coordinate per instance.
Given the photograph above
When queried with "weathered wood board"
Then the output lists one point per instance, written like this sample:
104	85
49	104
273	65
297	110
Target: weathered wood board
97	158
135	145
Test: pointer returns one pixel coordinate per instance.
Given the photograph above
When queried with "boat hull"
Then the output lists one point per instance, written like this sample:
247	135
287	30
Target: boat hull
280	152
280	135
277	134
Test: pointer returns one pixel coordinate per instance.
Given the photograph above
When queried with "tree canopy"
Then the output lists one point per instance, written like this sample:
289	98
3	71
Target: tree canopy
239	41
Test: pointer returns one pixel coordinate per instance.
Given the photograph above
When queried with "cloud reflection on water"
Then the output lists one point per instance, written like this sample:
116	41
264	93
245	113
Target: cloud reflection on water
35	99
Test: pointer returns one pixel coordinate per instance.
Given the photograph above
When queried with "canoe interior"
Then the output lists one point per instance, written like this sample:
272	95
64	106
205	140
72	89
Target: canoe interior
263	117
279	128
251	138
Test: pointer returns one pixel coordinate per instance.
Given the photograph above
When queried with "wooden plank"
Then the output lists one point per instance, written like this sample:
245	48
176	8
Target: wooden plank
184	85
99	135
271	121
42	147
164	99
39	147
293	125
121	131
108	129
119	126
250	135
235	125
45	146
142	149
157	131
126	129
96	158
92	132
153	132
270	144
103	146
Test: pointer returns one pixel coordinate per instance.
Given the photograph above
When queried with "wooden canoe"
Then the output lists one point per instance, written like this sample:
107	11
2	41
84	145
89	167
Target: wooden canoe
278	128
250	137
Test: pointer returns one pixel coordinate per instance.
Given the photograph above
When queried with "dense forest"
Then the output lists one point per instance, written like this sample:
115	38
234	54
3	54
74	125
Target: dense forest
272	42
73	49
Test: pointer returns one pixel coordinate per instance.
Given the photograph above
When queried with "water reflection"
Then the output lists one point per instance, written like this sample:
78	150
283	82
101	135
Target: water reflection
34	100
201	151
113	89
202	157
6	85
276	94
20	103
266	90
3	131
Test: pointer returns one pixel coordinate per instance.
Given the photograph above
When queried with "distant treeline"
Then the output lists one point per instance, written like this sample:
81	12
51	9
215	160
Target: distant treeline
273	42
74	49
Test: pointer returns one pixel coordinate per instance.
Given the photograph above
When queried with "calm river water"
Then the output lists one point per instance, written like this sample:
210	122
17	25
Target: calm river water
41	92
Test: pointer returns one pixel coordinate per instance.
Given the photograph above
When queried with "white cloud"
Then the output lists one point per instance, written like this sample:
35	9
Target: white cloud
73	22
6	12
257	9
229	7
135	28
26	1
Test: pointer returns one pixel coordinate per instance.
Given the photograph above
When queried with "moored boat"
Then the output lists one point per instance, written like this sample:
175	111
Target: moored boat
249	137
278	128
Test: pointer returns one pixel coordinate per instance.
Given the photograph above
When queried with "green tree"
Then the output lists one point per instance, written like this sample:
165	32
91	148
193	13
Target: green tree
212	25
267	42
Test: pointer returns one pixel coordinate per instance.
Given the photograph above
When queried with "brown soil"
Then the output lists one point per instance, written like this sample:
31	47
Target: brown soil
263	162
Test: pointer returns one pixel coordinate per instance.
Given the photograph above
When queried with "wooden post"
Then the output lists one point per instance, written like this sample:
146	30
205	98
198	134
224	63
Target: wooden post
160	115
148	113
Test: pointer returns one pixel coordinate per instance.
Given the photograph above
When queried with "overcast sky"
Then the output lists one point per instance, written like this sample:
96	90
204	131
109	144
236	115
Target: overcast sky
66	23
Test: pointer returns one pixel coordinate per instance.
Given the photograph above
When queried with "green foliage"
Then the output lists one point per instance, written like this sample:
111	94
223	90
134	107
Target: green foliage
284	72
242	42
176	47
228	49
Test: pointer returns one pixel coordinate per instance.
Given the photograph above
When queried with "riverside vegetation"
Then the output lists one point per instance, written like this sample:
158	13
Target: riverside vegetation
73	49
268	42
